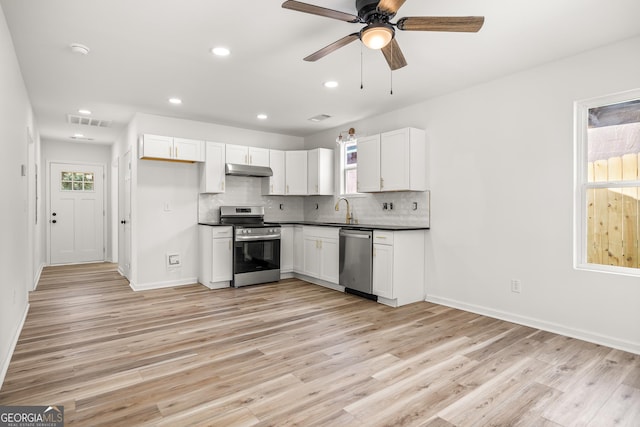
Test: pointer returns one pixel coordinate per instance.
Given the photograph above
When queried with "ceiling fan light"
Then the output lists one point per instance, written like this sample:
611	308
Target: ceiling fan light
376	36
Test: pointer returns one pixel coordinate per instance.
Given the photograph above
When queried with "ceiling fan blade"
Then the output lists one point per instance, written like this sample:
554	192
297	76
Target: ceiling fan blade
393	54
468	24
317	10
332	47
390	6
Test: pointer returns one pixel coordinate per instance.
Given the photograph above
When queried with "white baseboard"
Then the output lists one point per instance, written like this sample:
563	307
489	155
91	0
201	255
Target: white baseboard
5	363
557	328
36	279
160	285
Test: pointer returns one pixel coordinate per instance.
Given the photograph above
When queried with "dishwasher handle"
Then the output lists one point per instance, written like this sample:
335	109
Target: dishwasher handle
356	234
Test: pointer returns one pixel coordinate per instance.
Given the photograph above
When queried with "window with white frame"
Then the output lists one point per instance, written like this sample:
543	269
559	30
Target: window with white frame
349	168
608	184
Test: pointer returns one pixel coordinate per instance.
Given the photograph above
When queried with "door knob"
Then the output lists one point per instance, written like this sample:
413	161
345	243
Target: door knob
54	221
54	214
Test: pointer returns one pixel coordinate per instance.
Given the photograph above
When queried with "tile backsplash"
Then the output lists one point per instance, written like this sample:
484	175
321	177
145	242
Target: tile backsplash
366	208
245	191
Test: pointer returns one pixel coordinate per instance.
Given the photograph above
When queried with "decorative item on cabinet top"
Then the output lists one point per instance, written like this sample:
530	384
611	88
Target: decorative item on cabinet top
167	148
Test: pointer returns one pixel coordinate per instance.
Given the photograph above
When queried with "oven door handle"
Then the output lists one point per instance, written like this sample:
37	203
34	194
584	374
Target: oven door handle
254	238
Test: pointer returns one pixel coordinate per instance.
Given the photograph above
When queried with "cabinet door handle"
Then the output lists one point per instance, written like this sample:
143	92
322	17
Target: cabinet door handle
230	244
287	188
272	188
176	152
222	185
246	159
250	159
381	183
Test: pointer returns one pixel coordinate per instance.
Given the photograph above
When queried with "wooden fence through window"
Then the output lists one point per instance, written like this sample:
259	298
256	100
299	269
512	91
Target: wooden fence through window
613	224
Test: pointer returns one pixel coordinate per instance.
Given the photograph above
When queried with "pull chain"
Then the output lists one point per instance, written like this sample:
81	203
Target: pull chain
361	84
391	73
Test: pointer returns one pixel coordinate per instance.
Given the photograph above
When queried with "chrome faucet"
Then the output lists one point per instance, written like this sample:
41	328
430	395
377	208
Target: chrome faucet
349	218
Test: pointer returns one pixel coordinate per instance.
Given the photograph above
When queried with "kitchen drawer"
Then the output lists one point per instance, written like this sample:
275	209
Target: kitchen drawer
322	232
220	232
383	237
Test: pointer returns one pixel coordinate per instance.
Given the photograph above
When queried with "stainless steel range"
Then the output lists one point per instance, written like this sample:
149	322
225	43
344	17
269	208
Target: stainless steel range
256	255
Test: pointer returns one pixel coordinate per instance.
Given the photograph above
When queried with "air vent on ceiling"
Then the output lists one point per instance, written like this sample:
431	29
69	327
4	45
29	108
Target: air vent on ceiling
319	117
87	121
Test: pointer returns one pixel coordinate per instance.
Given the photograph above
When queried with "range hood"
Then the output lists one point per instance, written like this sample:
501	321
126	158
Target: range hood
247	170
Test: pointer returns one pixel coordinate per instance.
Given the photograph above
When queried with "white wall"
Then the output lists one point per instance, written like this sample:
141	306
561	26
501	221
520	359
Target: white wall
18	254
79	152
501	166
158	185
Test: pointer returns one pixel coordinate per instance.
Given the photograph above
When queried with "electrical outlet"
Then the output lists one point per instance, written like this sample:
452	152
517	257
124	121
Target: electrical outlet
173	260
385	206
516	286
390	206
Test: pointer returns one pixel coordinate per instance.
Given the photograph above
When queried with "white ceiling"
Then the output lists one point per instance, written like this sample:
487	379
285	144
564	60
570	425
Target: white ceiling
145	51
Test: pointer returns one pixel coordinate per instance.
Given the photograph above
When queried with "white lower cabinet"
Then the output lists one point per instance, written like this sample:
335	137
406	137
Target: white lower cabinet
320	248
286	249
216	256
298	249
398	267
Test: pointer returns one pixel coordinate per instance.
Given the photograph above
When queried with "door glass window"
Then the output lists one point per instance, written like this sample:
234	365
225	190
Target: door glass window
76	181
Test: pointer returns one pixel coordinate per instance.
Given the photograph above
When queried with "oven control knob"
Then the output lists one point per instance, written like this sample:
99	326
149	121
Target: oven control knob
248	231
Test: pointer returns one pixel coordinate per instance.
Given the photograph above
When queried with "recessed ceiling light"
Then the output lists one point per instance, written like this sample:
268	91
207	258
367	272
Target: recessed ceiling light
176	101
78	135
330	84
220	51
84	112
79	48
262	116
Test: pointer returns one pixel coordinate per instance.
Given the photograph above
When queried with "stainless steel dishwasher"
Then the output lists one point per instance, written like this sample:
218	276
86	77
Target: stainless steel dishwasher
356	252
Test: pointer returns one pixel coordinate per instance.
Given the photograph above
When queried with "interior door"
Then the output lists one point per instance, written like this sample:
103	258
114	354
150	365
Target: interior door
76	213
124	215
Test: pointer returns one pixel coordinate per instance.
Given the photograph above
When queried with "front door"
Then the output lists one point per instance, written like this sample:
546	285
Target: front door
76	213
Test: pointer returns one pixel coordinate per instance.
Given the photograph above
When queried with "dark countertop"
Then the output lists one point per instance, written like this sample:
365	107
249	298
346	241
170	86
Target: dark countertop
214	224
353	226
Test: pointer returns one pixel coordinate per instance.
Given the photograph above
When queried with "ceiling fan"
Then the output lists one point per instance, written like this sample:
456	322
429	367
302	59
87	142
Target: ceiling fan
379	32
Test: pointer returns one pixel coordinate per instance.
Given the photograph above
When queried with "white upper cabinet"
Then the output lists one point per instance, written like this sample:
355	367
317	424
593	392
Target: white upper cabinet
188	149
296	173
320	172
169	148
369	164
212	177
275	185
243	155
403	160
258	156
393	161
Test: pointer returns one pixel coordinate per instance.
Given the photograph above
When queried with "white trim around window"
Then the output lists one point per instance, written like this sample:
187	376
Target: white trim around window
582	184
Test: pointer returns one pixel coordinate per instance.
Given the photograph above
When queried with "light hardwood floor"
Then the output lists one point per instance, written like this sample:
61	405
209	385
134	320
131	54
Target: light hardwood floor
293	353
